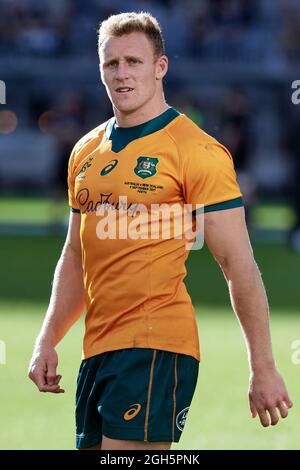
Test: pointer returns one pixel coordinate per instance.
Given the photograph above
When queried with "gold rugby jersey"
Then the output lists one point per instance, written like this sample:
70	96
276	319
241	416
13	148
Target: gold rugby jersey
135	294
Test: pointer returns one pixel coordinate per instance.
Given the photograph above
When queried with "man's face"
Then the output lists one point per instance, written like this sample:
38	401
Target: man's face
129	70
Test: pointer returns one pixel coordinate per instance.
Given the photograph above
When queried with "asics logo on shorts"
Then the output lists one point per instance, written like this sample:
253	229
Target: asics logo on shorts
132	412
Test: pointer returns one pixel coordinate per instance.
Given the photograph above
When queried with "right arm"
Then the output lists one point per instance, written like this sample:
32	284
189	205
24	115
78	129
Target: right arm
67	302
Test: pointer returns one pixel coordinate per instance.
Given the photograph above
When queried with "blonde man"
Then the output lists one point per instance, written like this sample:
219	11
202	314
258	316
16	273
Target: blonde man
140	351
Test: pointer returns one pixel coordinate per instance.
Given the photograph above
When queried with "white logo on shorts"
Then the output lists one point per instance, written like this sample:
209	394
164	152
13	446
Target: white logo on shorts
181	417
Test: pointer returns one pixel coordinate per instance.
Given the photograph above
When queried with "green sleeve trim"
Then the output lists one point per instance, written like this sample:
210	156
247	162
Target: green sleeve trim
238	202
75	210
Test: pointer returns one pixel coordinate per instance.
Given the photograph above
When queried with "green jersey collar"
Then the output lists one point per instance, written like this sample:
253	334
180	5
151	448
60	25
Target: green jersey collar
122	136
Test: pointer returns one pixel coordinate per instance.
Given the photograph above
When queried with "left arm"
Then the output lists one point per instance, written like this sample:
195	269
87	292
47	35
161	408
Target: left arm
227	238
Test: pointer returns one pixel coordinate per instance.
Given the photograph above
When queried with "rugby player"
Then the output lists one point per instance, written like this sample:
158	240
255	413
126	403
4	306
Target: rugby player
140	350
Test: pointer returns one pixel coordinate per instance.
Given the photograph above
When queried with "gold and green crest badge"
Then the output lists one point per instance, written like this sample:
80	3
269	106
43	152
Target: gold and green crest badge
146	167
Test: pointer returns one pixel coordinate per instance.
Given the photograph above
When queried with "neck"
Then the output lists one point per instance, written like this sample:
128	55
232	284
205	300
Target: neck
139	116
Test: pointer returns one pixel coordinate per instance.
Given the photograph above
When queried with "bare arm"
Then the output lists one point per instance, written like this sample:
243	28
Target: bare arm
227	238
65	307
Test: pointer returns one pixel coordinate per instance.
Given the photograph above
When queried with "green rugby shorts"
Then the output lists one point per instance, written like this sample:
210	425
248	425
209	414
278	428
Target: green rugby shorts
134	394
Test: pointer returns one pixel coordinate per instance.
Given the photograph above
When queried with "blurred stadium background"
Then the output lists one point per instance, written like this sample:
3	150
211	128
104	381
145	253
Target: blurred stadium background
232	64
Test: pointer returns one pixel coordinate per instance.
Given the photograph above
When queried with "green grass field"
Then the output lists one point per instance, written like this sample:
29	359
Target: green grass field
219	417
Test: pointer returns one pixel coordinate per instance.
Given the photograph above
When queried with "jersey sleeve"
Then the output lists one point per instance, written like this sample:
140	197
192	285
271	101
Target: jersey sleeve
209	177
71	182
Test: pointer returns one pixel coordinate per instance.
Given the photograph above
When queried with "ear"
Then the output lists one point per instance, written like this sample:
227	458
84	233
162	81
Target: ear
101	73
161	67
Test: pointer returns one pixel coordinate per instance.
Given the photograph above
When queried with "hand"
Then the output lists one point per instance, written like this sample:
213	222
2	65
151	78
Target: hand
267	393
42	370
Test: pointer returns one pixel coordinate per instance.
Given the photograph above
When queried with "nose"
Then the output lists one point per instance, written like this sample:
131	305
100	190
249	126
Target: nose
122	71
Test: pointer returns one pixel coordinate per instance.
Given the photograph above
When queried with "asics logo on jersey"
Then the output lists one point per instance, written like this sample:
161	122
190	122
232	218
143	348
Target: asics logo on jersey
108	168
132	412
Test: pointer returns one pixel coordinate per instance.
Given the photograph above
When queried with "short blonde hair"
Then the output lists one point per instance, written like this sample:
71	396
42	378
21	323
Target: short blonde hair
127	23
